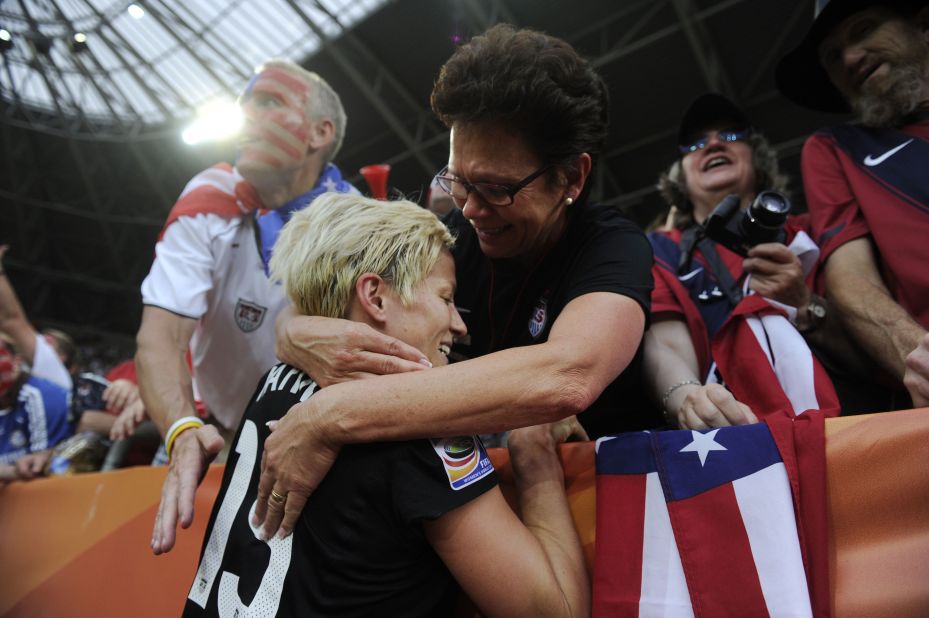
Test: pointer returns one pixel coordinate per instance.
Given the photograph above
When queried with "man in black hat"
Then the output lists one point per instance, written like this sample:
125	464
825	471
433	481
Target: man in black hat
866	182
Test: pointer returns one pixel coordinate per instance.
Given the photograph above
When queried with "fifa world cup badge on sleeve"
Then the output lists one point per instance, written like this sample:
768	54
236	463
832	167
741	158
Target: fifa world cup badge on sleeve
464	459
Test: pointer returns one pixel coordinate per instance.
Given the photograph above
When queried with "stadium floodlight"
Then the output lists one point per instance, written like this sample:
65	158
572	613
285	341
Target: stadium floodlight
78	42
216	121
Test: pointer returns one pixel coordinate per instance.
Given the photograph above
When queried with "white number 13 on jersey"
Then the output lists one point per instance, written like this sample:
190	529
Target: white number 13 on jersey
268	597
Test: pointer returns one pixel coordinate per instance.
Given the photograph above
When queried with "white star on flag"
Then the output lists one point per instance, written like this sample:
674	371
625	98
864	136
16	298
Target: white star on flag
703	443
330	184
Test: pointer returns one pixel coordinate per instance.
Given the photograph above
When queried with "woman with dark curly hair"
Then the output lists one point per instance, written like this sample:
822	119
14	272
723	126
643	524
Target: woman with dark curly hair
702	277
554	290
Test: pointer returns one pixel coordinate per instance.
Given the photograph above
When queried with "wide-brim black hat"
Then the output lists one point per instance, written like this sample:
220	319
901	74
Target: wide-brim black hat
799	75
706	110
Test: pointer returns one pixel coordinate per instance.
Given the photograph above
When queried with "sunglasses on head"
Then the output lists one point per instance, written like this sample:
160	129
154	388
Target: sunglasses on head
726	135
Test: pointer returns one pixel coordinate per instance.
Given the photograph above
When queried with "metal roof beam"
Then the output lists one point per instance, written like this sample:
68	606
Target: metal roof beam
230	90
634	46
79	63
425	117
497	12
37	63
230	54
775	49
143	84
374	99
705	52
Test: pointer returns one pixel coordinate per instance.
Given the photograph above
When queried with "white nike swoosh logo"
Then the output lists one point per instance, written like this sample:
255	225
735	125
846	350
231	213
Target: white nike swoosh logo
872	161
690	275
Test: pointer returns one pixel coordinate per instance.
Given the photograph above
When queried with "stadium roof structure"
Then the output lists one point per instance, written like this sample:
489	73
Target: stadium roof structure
91	126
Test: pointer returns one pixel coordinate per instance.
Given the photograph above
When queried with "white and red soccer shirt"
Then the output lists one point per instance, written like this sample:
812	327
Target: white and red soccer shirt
209	268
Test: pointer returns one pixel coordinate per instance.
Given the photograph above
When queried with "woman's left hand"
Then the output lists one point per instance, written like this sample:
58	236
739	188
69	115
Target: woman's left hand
297	456
777	274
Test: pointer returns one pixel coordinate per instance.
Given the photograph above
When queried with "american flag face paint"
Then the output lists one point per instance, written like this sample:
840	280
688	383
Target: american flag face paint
276	133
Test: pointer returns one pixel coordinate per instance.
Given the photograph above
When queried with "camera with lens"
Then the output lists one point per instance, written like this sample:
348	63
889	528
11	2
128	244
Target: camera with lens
740	230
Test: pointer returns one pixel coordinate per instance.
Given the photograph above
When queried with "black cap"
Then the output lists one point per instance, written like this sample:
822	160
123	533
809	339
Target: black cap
709	109
799	75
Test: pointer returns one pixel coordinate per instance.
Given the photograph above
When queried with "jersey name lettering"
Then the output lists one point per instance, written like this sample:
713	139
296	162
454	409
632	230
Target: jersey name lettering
278	380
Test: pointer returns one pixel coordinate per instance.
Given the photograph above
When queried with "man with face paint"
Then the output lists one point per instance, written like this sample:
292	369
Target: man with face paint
33	417
865	181
208	292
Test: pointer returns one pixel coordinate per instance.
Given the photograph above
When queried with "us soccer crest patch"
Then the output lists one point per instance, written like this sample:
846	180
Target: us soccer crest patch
464	459
538	318
249	315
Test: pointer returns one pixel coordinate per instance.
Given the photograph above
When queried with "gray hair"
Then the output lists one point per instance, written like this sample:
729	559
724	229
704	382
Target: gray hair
323	101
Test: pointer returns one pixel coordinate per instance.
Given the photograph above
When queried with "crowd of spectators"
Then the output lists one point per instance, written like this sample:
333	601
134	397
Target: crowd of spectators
733	309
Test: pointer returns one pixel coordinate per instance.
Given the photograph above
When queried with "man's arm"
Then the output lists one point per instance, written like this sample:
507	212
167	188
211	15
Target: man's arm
166	390
13	320
161	360
857	292
96	421
777	274
592	341
512	568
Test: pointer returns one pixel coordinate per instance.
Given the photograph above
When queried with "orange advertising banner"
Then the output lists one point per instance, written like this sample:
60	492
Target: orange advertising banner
79	546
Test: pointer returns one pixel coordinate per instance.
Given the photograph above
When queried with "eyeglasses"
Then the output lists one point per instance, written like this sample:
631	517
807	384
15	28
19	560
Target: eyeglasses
723	136
493	194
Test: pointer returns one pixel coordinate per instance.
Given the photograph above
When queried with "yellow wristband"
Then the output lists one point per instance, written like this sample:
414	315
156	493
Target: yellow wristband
179	428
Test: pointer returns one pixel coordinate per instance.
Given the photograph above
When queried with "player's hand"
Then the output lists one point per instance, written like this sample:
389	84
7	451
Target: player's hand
296	458
549	435
127	421
193	451
777	274
333	350
119	394
534	452
916	374
712	405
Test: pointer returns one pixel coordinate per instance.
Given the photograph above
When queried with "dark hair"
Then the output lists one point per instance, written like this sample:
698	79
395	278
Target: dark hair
529	80
672	183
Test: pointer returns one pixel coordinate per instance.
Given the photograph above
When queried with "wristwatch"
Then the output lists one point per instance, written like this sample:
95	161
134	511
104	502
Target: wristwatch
816	314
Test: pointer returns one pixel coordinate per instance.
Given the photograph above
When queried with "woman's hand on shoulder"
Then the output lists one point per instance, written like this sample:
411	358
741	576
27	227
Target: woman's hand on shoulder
297	456
332	350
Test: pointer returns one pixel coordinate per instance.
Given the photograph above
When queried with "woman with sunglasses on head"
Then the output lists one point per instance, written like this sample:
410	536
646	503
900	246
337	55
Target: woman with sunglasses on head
726	173
554	291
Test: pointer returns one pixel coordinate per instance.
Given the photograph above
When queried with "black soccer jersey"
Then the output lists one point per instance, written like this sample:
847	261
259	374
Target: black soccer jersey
507	304
358	548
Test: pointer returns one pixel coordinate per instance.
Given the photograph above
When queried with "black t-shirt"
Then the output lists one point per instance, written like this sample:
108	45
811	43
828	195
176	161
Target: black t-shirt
506	304
358	548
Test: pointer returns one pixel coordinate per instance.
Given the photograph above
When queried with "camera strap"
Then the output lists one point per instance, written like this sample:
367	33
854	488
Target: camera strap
715	263
694	238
